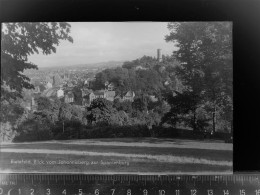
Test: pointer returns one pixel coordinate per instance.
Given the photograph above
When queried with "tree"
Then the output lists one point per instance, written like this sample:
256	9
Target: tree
10	113
183	109
152	119
77	95
36	127
149	79
43	103
125	106
205	54
9	117
77	113
48	108
145	61
18	41
101	112
65	113
140	104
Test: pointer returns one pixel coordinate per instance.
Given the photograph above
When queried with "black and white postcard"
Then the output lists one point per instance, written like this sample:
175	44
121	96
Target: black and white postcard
117	97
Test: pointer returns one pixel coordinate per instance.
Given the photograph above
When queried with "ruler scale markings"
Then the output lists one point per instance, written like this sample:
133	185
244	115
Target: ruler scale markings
169	184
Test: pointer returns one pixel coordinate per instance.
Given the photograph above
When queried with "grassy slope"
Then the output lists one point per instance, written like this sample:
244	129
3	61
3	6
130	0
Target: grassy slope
199	153
135	164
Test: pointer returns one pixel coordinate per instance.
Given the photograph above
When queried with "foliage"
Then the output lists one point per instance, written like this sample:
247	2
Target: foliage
18	41
65	112
48	108
77	113
113	131
10	115
140	104
6	133
43	103
145	61
101	112
77	95
183	108
205	54
10	112
125	106
149	79
36	127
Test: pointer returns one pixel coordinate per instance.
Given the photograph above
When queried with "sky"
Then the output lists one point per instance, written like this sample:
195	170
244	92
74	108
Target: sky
108	41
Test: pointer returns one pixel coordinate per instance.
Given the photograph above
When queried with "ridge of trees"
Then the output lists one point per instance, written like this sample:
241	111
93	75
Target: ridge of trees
149	80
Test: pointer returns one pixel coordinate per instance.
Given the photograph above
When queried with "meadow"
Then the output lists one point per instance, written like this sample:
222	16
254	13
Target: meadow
118	155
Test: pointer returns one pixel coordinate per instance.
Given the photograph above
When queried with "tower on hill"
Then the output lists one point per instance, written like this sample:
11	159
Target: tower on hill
159	55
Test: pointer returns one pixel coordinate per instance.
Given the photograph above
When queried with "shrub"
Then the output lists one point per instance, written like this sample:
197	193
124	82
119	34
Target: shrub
116	131
41	135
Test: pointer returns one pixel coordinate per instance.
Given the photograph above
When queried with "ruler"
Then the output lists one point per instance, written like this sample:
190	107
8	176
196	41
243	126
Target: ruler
43	184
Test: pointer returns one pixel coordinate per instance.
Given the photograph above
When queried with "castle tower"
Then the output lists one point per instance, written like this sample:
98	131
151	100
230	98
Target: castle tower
159	55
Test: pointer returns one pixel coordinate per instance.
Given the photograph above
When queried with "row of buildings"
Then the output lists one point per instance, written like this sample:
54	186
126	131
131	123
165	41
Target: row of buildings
85	98
109	93
88	96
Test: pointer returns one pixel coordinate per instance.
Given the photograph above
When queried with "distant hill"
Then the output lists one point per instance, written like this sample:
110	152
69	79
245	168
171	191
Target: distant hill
109	64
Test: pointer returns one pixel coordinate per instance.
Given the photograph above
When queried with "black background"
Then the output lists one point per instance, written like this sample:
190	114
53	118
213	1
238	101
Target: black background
245	16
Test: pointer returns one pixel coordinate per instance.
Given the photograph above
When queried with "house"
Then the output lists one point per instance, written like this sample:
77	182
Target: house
69	97
60	93
110	87
110	95
91	95
86	82
85	94
129	96
99	94
153	98
48	85
48	79
166	83
106	83
140	68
